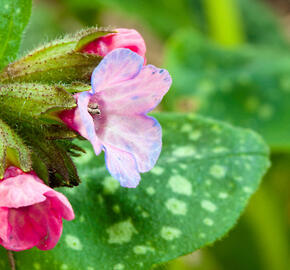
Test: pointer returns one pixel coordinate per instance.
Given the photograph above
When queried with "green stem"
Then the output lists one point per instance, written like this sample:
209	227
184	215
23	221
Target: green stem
11	259
224	22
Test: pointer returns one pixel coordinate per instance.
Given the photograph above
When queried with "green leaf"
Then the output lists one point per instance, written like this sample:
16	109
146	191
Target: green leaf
205	175
262	235
12	150
14	16
30	101
249	87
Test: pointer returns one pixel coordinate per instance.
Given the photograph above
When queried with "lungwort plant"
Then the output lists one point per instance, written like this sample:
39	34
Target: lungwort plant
153	187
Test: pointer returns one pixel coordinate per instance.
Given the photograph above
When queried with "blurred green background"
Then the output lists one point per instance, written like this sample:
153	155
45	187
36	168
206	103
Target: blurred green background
230	60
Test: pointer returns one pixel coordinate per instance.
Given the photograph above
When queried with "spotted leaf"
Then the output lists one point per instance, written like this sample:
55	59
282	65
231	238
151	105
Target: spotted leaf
205	175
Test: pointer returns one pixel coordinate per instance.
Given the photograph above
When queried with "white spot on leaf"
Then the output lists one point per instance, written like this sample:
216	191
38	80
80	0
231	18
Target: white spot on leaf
176	206
180	185
150	190
121	232
145	214
217	129
219	150
202	235
208	205
195	135
183	166
208	182
218	171
73	242
223	195
142	249
119	266
184	151
247	189
82	219
266	111
208	222
171	159
186	128
157	170
170	233
64	267
238	178
110	185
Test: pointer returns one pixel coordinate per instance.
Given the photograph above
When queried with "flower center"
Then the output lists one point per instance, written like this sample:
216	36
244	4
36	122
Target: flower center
93	108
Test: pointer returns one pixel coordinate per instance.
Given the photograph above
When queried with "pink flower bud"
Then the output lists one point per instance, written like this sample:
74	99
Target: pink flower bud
30	212
123	38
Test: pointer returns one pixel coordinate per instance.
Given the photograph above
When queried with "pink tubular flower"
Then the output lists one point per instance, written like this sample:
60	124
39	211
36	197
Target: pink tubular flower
30	212
123	38
113	115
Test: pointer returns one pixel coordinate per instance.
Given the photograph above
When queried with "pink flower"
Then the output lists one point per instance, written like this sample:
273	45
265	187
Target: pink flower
113	115
123	38
30	212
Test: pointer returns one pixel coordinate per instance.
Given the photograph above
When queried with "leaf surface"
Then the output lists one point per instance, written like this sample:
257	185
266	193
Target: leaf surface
205	175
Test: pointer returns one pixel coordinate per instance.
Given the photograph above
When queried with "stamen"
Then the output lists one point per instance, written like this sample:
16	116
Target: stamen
93	108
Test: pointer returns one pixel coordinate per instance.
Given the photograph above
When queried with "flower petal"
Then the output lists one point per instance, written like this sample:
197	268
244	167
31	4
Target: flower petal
117	66
22	190
4	225
139	135
60	204
138	95
37	225
24	233
53	225
122	166
123	38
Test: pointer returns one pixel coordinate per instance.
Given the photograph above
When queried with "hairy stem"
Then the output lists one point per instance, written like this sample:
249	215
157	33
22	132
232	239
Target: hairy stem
11	259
